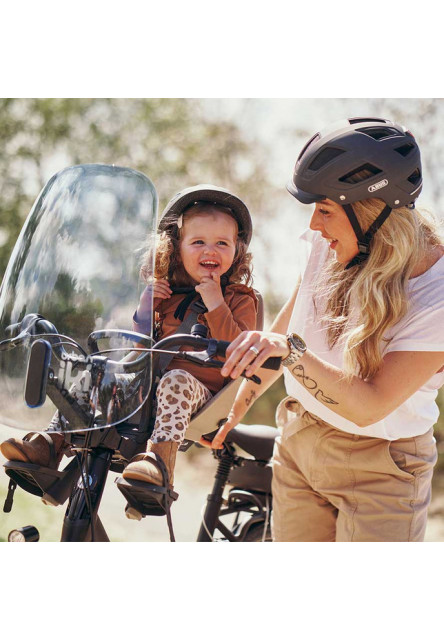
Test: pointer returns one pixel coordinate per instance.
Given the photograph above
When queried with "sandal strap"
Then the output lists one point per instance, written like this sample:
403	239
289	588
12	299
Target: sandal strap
156	462
52	451
49	441
140	456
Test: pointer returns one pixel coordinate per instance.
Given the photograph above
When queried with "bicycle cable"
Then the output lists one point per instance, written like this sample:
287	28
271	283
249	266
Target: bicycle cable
267	516
82	462
66	340
205	524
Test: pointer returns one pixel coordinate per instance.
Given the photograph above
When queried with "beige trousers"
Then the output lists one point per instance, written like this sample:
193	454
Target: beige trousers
329	485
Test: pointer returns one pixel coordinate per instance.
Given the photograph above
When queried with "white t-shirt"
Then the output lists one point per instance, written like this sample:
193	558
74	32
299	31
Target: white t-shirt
421	329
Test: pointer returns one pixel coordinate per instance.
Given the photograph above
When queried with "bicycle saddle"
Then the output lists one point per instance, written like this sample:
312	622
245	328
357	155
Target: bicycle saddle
255	439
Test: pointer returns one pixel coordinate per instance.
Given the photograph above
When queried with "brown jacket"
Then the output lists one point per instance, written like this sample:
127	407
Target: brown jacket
237	313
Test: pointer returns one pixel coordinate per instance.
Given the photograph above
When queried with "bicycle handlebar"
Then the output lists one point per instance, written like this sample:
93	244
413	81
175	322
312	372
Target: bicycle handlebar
34	323
128	366
220	347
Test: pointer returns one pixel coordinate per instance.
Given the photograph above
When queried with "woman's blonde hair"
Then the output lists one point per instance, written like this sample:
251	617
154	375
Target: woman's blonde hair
376	290
168	264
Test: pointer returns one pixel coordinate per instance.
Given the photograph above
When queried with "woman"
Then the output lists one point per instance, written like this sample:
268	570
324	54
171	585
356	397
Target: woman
364	351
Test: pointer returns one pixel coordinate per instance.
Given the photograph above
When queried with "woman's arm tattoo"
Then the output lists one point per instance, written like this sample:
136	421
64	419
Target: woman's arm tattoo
311	385
249	400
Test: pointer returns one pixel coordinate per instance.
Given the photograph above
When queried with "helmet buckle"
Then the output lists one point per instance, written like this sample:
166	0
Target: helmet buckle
363	248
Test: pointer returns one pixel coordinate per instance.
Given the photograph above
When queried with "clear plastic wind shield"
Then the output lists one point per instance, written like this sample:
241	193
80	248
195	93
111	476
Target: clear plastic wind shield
76	264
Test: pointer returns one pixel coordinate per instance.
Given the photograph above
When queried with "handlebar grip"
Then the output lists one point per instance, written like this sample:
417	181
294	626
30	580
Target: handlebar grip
271	363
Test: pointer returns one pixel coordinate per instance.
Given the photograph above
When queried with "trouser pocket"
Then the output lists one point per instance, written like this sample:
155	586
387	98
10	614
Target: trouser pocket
412	457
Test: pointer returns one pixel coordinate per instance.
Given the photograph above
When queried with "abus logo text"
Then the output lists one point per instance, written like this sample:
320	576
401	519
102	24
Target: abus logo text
378	185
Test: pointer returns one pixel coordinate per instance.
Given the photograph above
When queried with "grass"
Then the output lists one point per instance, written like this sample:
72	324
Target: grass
28	509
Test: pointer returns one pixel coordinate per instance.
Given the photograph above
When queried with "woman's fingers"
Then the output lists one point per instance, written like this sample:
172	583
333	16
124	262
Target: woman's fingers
250	350
219	438
239	355
204	442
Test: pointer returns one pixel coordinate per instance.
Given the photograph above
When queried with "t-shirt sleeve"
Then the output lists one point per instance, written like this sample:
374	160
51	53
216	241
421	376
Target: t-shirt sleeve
227	323
141	326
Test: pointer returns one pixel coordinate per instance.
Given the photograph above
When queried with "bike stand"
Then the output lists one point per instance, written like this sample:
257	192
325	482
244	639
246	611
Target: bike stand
149	499
53	486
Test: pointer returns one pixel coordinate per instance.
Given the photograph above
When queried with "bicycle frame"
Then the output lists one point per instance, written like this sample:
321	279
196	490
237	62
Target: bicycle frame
242	498
100	450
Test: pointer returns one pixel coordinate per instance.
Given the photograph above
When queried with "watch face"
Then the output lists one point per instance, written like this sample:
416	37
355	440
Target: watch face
297	342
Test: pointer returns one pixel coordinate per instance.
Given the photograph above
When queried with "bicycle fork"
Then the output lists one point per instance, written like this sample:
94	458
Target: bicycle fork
210	520
81	522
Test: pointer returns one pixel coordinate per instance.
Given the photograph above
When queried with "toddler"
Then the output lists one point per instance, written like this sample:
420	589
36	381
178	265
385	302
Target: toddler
204	237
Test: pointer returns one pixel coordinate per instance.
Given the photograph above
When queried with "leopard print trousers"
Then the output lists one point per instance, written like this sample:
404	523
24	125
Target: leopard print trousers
179	396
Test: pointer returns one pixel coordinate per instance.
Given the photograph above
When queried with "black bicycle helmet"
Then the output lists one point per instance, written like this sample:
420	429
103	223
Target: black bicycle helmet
213	195
332	163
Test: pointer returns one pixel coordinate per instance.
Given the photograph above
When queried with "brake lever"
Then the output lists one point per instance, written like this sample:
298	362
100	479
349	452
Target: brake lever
6	345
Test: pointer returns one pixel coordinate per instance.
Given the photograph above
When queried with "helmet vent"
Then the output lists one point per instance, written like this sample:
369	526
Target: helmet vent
379	133
313	139
360	174
415	177
325	156
405	149
359	120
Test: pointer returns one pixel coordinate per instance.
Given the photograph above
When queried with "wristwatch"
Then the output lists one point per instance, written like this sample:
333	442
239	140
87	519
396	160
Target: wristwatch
297	349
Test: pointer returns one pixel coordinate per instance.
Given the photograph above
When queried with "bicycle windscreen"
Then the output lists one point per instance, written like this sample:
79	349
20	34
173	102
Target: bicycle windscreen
76	264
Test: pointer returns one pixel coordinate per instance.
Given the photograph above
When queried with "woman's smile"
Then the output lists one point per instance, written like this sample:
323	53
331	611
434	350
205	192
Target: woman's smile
331	241
330	219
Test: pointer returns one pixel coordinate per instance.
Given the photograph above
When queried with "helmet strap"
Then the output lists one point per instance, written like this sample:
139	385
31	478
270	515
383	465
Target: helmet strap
364	239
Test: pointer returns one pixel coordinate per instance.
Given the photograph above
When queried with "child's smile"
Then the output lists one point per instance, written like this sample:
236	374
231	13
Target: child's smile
208	244
209	264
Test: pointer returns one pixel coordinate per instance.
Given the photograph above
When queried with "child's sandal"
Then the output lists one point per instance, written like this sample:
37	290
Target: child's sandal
146	467
40	448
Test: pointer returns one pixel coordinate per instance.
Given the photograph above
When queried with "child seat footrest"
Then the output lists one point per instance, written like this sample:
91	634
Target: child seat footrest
50	484
148	499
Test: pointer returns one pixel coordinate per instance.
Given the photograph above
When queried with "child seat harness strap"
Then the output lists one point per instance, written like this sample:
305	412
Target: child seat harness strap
182	307
191	295
195	307
194	303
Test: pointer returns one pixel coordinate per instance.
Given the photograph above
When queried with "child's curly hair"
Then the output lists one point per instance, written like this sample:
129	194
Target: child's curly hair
168	264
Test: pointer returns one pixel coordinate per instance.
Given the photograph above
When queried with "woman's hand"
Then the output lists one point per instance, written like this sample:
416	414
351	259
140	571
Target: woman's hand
250	350
218	440
210	290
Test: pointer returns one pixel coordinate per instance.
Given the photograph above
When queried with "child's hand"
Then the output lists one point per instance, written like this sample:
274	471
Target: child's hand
209	289
160	290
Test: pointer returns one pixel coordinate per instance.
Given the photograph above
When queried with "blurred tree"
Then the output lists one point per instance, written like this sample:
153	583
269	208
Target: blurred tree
424	117
170	140
173	141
